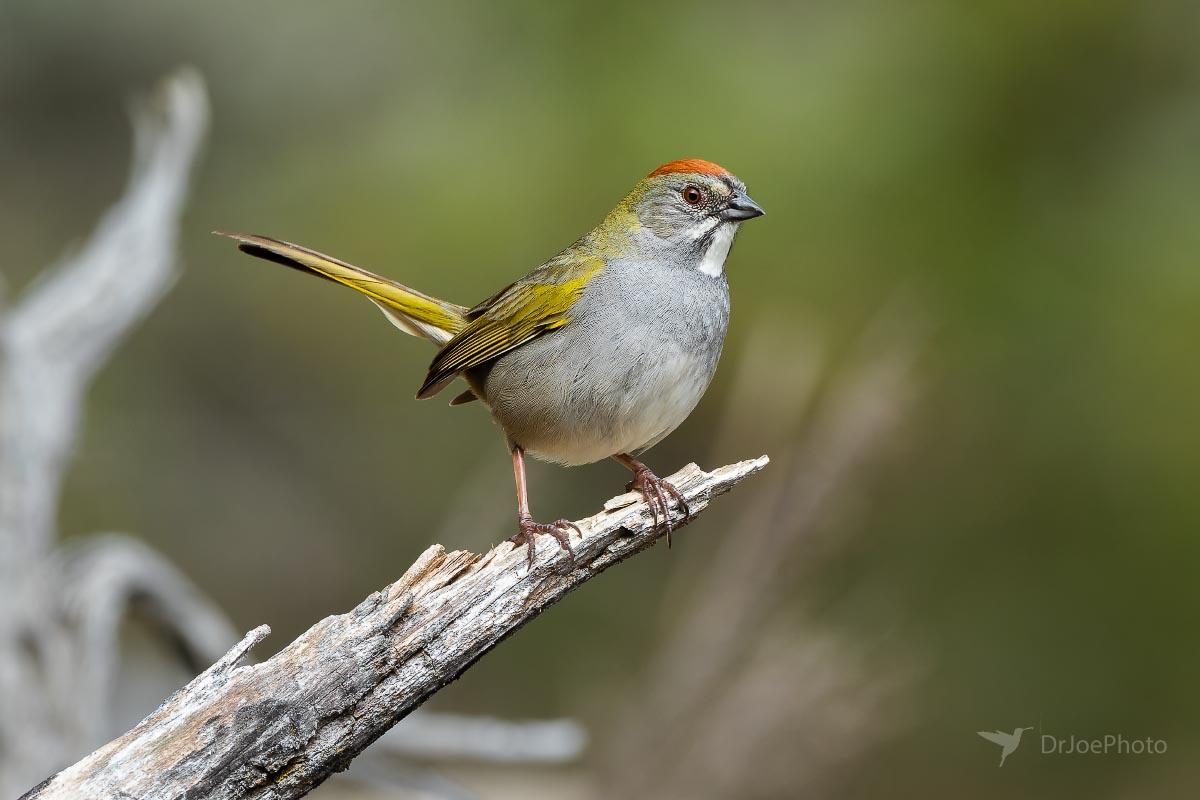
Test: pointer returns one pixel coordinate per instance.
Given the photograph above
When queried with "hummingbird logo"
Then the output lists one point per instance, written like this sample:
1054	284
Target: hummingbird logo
1009	742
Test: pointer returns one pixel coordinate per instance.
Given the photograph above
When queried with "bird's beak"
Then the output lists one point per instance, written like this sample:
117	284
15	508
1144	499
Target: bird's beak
741	208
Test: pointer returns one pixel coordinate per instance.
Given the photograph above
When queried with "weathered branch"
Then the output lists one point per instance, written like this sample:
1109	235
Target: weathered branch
277	729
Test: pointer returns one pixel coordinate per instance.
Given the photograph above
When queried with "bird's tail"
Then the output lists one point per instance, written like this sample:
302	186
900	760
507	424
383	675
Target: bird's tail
409	310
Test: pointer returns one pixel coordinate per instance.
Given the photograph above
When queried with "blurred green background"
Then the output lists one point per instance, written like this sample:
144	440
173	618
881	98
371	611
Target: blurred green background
1019	182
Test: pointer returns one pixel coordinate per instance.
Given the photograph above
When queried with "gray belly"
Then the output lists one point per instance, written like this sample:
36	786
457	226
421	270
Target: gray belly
635	359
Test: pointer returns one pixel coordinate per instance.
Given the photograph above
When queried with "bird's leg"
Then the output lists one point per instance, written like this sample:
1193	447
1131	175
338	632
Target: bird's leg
655	490
529	528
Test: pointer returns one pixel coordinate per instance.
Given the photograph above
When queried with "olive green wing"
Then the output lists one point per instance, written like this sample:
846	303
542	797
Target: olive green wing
524	310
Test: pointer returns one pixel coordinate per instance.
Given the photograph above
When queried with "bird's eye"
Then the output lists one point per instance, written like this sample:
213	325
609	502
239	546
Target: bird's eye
692	196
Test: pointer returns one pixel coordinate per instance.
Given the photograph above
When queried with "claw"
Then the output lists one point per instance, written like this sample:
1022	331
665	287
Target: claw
655	490
557	530
680	500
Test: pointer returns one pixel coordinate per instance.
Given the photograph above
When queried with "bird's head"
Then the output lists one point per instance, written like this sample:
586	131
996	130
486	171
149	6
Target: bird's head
690	207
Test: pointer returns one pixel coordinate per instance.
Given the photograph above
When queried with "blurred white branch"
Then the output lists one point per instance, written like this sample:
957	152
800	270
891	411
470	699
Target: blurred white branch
434	735
60	612
100	579
63	330
277	729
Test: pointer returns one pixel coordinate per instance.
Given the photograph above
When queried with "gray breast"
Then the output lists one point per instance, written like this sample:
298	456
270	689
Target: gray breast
640	349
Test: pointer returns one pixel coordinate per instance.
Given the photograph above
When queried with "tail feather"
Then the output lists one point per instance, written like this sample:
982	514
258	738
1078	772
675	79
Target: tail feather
409	310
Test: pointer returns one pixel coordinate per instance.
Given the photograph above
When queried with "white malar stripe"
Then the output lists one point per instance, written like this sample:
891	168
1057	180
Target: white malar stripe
713	262
700	231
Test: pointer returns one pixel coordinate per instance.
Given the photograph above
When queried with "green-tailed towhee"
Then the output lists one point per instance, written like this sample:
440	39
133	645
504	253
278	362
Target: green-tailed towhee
601	351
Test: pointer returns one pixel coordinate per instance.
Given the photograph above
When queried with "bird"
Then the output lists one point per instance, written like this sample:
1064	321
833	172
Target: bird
599	352
1008	741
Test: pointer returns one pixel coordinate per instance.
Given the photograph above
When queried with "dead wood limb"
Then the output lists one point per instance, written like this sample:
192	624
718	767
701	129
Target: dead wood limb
277	729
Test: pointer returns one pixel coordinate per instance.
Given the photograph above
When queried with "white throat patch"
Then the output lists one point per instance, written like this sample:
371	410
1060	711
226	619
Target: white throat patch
713	262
